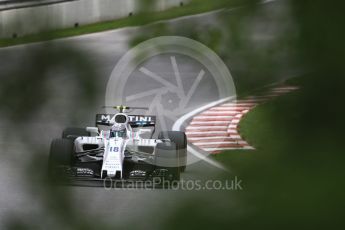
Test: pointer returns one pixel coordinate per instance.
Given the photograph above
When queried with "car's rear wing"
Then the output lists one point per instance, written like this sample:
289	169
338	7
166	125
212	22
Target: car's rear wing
134	120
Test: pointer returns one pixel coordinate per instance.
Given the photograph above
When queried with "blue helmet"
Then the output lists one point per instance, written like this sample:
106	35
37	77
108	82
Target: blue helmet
118	130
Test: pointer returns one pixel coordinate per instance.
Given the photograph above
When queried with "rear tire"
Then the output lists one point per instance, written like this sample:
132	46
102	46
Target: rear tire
166	158
73	133
180	139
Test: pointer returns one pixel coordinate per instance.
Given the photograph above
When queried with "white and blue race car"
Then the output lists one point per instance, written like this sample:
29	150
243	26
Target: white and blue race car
121	152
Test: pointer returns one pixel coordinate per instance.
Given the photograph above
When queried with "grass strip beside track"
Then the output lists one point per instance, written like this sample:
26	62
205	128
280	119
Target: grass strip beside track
192	8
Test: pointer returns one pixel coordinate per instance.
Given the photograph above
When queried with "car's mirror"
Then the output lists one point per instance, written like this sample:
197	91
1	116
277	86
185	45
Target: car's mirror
92	130
137	135
142	132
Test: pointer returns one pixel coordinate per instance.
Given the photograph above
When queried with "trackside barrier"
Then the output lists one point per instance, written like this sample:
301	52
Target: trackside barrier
67	14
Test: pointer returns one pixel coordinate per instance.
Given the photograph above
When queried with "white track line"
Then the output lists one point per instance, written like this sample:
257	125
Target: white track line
221	149
212	118
240	104
237	137
232	131
234	108
201	123
205	116
220	142
207	133
206	128
222	146
220	113
222	138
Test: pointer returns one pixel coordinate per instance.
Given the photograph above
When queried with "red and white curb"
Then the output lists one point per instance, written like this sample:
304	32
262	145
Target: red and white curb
216	128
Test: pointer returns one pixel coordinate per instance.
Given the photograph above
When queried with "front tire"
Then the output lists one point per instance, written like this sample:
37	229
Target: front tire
61	153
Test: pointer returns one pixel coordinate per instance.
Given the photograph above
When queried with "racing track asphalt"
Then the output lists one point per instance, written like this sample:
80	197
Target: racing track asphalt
121	207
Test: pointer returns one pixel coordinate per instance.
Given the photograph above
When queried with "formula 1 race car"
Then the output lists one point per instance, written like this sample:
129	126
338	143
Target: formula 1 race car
119	153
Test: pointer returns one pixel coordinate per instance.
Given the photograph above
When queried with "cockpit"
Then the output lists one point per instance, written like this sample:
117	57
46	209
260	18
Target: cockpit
118	131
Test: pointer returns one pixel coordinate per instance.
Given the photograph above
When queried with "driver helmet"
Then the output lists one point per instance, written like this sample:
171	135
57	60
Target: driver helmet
118	130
